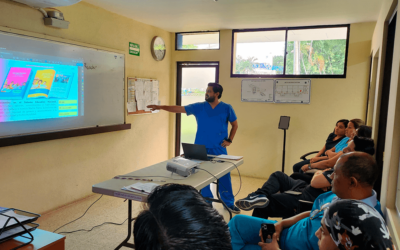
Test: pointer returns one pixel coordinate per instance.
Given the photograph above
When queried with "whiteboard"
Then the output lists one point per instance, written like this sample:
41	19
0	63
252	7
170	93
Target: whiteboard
100	76
258	90
293	91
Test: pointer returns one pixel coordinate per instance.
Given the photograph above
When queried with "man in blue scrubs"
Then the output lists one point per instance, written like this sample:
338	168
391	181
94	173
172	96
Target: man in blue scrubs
212	118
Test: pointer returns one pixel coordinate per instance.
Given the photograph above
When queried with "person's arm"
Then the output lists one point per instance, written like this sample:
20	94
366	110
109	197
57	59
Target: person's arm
330	154
234	128
316	158
173	109
319	180
328	163
279	226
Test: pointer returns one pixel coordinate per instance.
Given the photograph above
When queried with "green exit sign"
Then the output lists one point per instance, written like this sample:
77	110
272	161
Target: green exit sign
134	49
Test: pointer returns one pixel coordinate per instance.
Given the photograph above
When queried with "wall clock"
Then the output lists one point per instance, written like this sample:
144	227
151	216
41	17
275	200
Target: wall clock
158	49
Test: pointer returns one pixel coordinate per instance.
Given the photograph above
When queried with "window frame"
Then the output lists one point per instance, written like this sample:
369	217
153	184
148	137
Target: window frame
286	29
209	31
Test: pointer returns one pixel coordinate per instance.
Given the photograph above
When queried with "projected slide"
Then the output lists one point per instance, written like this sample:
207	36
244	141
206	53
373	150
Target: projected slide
38	89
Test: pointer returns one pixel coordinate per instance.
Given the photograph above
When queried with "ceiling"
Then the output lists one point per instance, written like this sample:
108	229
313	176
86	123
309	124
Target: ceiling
200	15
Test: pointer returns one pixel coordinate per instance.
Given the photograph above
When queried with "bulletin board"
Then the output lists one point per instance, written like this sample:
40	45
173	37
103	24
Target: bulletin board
141	93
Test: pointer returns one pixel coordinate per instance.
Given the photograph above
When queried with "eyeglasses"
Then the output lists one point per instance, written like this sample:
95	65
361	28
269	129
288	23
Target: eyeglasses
317	211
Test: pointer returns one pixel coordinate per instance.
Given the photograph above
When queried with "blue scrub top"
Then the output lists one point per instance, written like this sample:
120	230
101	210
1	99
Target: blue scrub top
341	145
301	236
212	124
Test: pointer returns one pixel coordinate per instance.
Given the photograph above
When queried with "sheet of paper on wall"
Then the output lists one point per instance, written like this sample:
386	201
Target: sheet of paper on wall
148	86
155	86
147	95
131	107
131	93
141	104
147	103
139	89
154	97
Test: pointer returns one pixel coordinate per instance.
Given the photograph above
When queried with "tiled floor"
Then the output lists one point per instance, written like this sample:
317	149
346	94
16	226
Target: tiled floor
110	209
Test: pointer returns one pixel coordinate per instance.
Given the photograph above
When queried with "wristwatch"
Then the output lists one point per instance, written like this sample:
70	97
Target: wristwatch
309	166
228	140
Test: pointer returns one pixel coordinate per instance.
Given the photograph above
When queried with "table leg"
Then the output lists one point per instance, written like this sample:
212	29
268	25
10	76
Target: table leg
125	242
223	203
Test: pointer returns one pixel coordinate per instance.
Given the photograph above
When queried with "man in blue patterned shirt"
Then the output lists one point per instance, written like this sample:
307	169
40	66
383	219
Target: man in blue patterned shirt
353	178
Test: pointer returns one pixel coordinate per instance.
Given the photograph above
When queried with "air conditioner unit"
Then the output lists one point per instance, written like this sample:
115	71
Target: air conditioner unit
47	3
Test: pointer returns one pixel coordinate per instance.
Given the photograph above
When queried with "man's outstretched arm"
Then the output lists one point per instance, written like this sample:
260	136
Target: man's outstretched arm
173	109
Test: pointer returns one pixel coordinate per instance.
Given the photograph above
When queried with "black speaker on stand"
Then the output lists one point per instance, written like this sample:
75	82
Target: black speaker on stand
284	125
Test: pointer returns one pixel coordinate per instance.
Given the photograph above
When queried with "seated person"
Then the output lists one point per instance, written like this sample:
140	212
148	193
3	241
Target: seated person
353	178
178	217
331	158
364	131
338	224
267	202
333	139
351	131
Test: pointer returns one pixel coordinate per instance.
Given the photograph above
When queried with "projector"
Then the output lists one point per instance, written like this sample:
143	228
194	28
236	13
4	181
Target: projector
182	166
47	3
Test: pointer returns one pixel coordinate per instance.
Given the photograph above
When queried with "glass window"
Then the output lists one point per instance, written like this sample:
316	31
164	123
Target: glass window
316	51
310	52
197	40
259	53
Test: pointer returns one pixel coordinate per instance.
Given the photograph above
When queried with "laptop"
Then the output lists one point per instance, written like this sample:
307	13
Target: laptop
195	151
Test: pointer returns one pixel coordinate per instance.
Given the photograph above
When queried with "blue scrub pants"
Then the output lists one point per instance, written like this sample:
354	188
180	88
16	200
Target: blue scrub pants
225	184
244	231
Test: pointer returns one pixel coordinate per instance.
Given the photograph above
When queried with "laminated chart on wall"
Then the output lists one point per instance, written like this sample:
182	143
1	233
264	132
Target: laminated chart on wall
141	93
258	90
293	91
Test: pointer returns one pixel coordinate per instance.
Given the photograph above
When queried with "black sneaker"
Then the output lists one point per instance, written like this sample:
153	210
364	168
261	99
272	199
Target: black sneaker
252	201
234	209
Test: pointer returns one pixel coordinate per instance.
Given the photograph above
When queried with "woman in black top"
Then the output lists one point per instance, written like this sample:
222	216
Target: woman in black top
333	139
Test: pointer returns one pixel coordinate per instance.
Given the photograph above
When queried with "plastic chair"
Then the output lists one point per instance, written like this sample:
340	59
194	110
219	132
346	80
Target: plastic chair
303	157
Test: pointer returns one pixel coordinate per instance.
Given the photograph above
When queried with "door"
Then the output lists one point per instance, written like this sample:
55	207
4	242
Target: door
380	147
192	81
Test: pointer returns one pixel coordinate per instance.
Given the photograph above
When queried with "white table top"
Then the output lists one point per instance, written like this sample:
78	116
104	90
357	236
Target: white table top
158	171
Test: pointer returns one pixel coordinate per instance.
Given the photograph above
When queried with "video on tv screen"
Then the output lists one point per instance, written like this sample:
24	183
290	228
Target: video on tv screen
34	87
